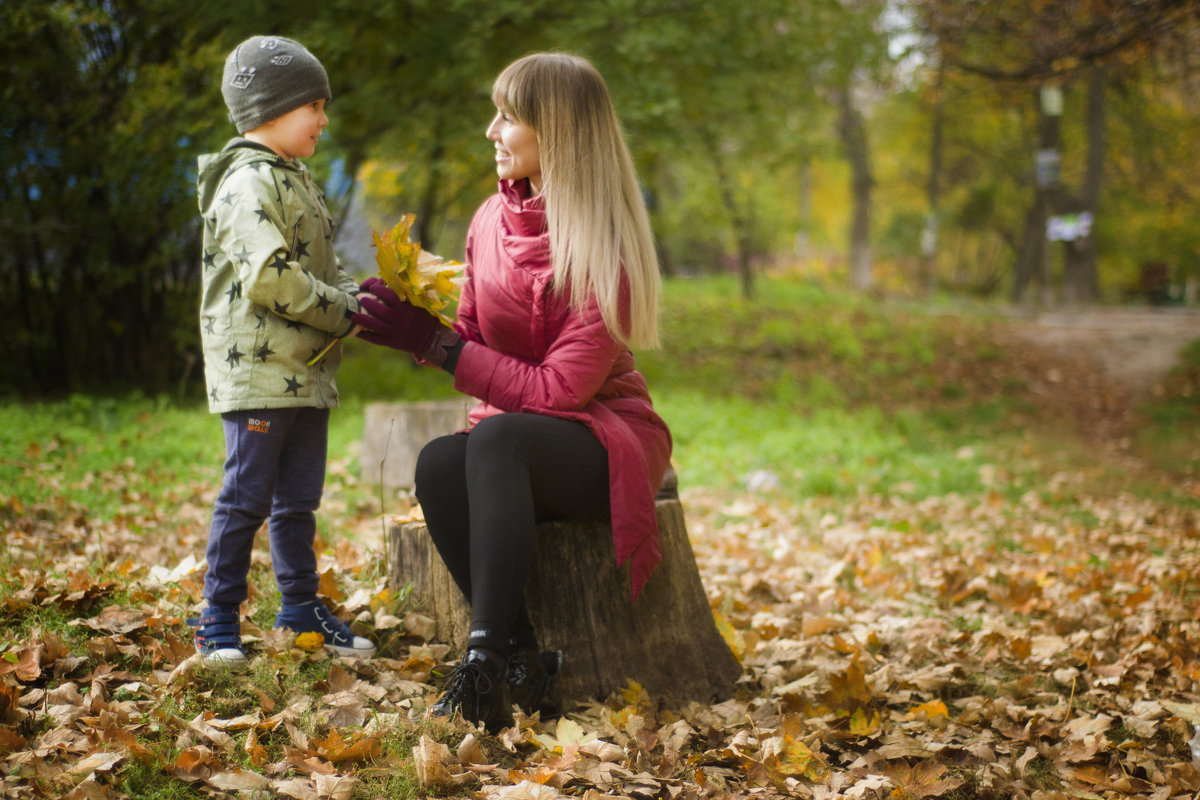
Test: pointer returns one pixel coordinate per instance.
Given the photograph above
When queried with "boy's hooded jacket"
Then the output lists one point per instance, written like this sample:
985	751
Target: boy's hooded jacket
541	356
273	291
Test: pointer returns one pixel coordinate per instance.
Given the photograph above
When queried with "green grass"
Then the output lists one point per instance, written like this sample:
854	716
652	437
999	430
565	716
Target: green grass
1169	436
832	452
835	394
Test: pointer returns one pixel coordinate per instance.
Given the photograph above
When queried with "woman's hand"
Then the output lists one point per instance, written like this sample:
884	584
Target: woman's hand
392	322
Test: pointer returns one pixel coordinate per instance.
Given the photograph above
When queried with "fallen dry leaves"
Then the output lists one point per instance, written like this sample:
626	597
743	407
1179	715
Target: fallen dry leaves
1044	646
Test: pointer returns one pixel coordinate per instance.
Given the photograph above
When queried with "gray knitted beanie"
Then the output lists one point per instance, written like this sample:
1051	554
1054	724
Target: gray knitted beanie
268	76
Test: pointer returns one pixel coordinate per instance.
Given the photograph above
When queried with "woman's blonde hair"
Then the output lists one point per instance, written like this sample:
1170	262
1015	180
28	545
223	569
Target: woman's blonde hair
594	207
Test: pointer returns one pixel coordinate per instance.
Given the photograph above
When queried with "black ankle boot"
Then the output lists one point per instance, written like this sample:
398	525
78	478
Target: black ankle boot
476	689
530	677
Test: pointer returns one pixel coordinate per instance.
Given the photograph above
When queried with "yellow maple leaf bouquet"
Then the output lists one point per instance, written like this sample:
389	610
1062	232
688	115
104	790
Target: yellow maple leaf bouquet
423	279
420	277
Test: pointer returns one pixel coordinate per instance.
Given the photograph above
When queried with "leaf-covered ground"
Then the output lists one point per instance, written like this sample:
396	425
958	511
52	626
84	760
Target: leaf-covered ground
1039	640
945	647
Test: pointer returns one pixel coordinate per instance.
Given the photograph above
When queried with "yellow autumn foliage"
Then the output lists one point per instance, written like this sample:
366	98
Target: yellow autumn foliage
421	278
312	641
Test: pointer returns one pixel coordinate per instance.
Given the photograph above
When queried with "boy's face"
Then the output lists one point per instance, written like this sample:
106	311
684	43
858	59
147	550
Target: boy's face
295	134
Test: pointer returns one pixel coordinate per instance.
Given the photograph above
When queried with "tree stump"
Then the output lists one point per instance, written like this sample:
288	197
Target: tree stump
394	434
580	603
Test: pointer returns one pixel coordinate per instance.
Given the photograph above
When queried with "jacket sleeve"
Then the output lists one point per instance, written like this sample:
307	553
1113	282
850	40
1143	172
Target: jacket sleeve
465	321
255	227
576	365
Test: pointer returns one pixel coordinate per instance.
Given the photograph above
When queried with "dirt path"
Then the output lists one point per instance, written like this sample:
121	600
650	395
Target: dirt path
1134	347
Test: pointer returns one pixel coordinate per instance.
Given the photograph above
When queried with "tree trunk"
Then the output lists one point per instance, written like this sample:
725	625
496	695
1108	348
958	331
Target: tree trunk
1032	259
1081	283
429	210
394	433
929	237
802	246
853	133
579	603
740	222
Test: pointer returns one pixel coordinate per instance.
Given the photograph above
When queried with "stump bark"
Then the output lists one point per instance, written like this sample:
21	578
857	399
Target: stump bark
580	603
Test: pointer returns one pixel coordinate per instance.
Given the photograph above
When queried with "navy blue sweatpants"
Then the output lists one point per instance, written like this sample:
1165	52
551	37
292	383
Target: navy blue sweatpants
274	471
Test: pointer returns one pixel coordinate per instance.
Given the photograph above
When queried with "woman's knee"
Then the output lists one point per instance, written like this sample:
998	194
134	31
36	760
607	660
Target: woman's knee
440	465
498	434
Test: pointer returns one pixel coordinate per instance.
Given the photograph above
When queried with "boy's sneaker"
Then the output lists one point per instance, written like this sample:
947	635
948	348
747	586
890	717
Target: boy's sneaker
219	637
314	617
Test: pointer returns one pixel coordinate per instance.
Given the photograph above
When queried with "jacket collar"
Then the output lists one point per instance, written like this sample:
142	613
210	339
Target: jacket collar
524	216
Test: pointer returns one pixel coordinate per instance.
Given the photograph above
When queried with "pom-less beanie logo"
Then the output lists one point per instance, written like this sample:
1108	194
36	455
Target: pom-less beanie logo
243	77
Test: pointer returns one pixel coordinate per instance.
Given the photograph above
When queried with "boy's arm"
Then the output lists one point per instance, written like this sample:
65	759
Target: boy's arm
255	229
345	282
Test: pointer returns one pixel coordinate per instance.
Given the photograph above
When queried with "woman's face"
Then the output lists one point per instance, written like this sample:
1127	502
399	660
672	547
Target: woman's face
517	154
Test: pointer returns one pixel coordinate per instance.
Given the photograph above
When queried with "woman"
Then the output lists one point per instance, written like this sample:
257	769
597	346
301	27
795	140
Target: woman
562	279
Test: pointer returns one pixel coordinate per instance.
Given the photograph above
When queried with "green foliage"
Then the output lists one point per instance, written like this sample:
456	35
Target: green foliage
369	372
101	248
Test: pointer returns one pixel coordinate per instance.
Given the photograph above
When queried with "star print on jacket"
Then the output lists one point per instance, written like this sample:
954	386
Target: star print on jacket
273	291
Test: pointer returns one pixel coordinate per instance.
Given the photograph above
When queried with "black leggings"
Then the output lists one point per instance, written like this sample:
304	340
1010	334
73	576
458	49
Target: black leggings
483	494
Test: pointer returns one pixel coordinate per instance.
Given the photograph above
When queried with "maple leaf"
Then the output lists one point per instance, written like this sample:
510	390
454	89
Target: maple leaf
568	736
436	767
926	779
337	750
312	641
422	278
931	711
792	758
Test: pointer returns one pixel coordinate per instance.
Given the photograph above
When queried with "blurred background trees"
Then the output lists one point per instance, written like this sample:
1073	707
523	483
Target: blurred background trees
911	146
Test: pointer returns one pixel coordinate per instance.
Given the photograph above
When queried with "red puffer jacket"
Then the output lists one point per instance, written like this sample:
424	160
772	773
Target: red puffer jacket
527	351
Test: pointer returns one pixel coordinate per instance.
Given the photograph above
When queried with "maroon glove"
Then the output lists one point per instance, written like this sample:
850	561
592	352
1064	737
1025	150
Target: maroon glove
395	323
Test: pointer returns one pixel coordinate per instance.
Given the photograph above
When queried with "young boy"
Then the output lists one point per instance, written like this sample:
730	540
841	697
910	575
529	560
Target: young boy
274	294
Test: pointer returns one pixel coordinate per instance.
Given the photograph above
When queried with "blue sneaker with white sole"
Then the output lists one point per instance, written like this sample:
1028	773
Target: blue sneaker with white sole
219	637
314	617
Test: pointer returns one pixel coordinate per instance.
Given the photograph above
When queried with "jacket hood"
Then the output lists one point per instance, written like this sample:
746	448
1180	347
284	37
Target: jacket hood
213	167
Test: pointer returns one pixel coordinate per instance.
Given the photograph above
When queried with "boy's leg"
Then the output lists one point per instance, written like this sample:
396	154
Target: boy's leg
252	445
293	526
293	521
